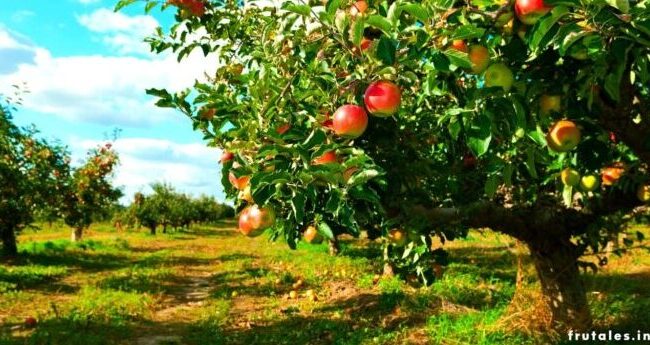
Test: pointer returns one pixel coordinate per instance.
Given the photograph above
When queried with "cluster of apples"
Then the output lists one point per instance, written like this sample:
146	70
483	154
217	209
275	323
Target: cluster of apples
498	74
189	8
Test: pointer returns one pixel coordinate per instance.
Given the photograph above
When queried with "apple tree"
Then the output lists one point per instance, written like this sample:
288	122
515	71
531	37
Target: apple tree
31	171
415	119
88	191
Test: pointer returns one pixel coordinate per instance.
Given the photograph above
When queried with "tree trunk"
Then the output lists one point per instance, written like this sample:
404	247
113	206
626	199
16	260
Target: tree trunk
165	228
77	234
9	247
562	286
334	248
153	229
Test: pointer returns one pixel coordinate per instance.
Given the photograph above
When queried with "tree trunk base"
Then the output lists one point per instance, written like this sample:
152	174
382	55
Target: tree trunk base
76	235
334	248
9	247
562	286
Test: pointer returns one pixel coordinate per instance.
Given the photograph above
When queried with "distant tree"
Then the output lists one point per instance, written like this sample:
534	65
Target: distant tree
88	190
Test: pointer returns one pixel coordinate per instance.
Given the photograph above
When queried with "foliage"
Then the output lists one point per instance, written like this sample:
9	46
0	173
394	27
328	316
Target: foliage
167	207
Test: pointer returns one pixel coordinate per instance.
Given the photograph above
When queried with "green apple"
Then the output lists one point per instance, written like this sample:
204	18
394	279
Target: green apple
589	183
497	75
570	177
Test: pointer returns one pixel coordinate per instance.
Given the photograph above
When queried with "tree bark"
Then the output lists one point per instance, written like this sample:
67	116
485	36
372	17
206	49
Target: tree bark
77	234
9	247
556	263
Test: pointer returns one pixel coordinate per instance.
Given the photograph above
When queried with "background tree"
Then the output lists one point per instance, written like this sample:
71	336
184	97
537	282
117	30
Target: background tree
88	192
31	171
477	110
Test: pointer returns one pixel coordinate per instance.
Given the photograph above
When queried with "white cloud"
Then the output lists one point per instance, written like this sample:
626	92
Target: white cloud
190	168
100	89
123	33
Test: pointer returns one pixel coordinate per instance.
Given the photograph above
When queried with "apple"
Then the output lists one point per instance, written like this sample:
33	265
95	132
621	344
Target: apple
550	103
359	7
529	11
253	220
563	136
207	114
589	183
328	124
612	173
397	237
643	193
570	177
499	74
479	56
30	322
365	44
612	137
283	128
189	7
327	158
469	161
238	182
349	121
311	235
459	45
293	294
226	157
382	98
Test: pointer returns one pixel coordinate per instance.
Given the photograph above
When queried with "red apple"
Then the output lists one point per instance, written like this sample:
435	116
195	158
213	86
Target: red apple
459	45
326	158
253	220
469	161
207	113
613	173
238	182
529	11
349	121
382	98
479	56
283	128
365	44
191	7
563	136
226	157
30	322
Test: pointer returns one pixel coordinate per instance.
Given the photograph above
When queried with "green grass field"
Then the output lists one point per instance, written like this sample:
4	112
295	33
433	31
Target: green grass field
213	286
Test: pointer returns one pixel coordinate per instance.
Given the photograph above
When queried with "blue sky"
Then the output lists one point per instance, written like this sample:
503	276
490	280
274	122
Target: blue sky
86	70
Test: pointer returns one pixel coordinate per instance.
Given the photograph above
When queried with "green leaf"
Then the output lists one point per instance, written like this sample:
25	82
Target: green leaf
466	32
491	186
332	6
301	9
325	230
123	3
386	49
150	6
458	58
621	5
357	31
298	206
416	10
619	49
544	25
380	23
480	135
363	177
530	162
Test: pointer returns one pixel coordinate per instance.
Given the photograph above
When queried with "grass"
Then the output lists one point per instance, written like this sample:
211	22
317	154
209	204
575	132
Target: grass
212	286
